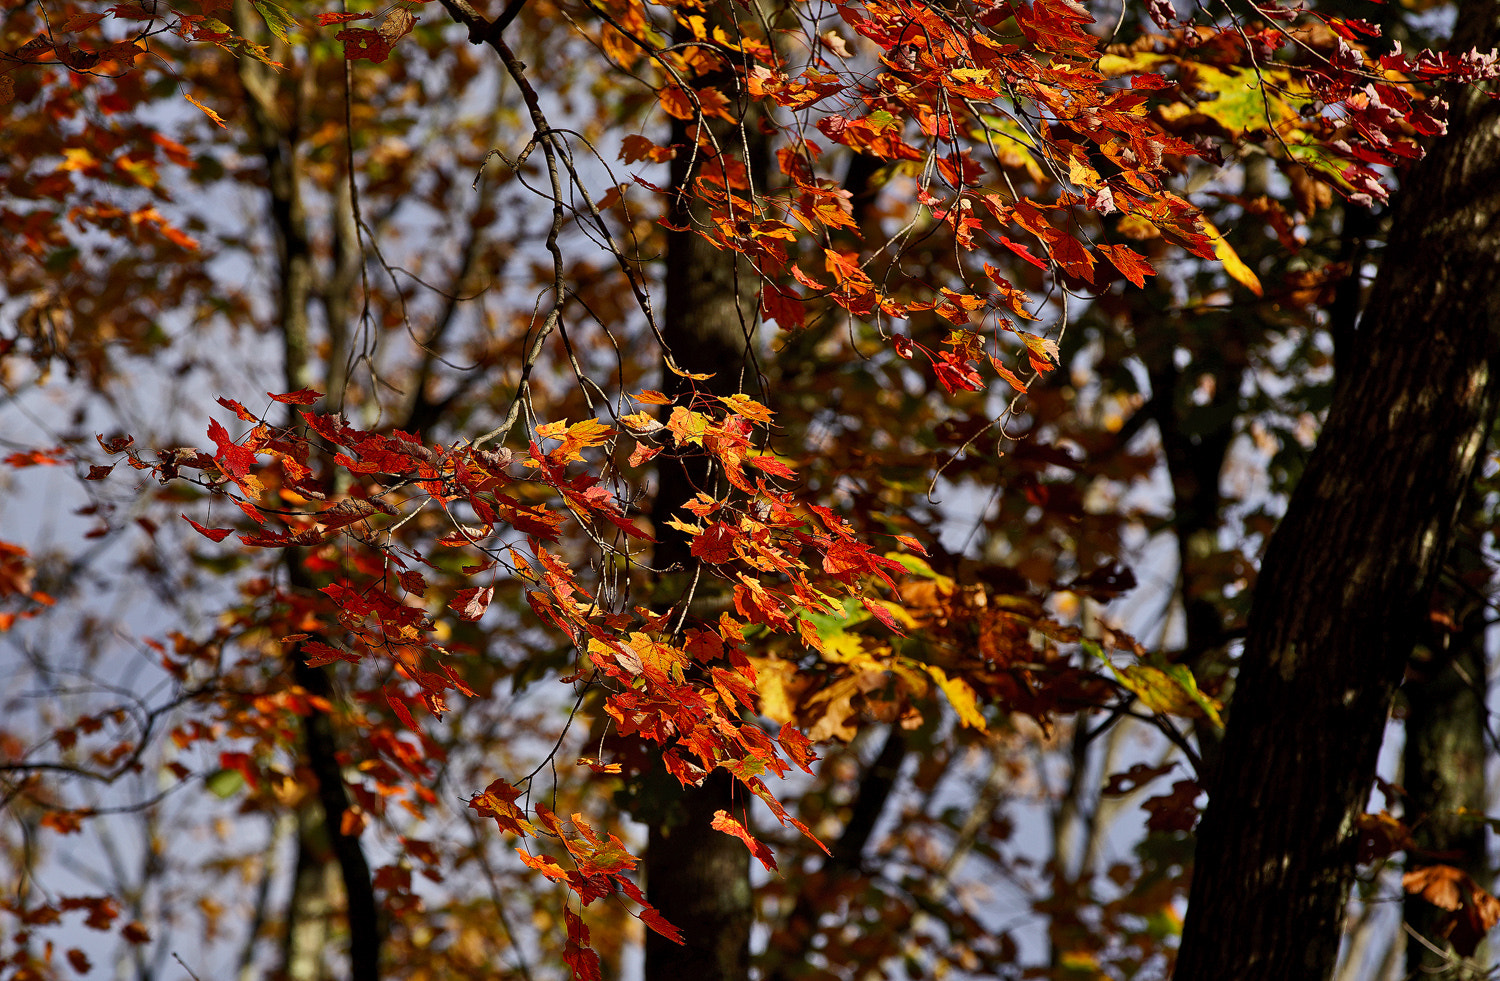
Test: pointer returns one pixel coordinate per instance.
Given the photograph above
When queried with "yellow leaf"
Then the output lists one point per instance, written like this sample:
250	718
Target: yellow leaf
1139	61
688	426
746	406
78	158
660	663
770	680
589	432
960	696
218	120
643	422
1233	264
1081	174
843	648
674	369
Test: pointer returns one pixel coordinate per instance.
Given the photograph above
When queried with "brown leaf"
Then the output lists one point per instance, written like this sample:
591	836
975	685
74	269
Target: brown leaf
471	603
1438	884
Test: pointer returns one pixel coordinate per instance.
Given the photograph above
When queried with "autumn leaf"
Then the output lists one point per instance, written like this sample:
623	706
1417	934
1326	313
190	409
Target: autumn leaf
771	465
363	43
743	405
635	148
212	534
317	654
884	613
661	663
135	932
324	20
675	103
723	822
1130	264
218	120
580	957
1233	265
398	706
845	267
276	17
715	544
961	696
305	396
1441	885
471	602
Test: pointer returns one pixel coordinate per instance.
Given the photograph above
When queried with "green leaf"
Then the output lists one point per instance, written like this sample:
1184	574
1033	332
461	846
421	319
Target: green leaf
277	18
224	783
1167	688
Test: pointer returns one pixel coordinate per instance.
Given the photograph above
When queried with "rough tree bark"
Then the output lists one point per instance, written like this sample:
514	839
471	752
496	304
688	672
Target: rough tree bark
699	878
1344	588
1445	752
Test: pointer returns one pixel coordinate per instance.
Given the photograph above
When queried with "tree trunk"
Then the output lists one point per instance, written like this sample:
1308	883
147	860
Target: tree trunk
1444	762
1344	588
699	878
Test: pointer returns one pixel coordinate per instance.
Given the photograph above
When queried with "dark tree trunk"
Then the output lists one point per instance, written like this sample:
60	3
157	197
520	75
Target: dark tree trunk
1343	592
1445	753
699	878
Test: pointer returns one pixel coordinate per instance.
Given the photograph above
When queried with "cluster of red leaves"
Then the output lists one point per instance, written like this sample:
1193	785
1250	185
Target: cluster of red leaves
686	686
969	105
967	108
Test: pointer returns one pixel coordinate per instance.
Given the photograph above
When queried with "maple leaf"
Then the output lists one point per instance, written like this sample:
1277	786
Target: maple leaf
660	663
956	374
884	614
212	534
676	103
580	957
723	822
784	306
744	405
771	465
961	696
845	267
413	582
398	706
235	460
715	544
1441	885
471	602
634	148
305	396
499	802
324	20
363	43
642	454
1130	264
688	426
318	654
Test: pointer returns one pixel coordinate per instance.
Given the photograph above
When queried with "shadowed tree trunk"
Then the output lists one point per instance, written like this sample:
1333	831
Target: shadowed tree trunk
1344	588
1444	761
699	878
